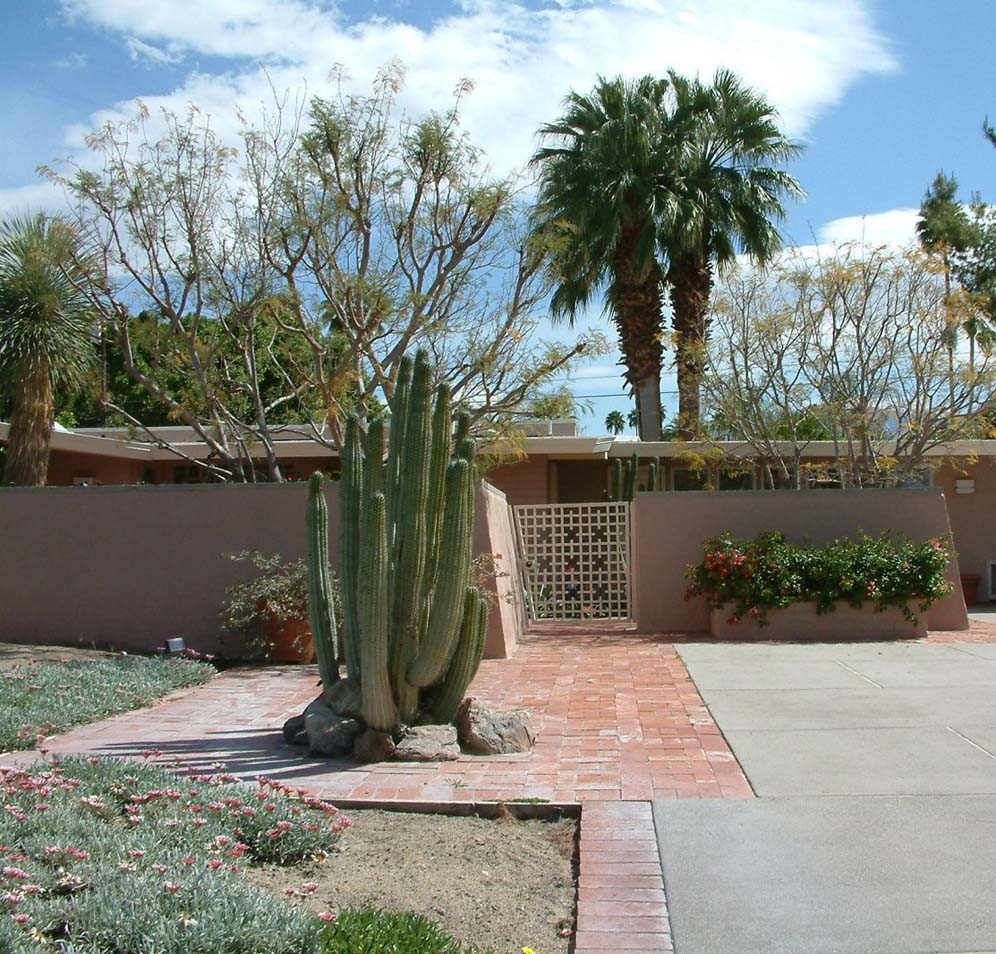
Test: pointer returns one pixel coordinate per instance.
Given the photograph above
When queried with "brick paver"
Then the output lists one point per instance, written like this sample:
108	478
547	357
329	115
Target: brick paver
617	715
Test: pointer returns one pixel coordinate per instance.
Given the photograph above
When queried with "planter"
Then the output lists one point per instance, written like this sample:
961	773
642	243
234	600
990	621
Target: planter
800	622
970	587
290	640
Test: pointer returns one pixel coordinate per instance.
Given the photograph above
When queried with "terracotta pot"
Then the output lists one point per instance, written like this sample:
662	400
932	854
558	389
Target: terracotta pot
970	587
290	640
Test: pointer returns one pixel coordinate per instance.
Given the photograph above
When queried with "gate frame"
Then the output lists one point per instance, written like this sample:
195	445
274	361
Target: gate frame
558	550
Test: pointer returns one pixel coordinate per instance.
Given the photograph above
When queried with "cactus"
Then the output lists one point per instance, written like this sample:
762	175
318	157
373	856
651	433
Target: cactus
653	475
320	604
617	480
415	626
629	485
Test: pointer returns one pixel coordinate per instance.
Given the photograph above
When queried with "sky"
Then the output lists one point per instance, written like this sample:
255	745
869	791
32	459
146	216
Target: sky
881	93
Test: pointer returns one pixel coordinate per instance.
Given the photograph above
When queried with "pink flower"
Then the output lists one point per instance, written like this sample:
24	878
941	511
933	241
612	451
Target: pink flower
21	918
172	887
326	916
310	886
215	863
15	873
159	869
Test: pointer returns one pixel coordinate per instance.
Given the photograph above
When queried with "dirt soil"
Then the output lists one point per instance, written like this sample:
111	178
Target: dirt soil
13	654
498	885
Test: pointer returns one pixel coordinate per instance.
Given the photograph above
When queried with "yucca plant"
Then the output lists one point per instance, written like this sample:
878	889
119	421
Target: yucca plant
46	340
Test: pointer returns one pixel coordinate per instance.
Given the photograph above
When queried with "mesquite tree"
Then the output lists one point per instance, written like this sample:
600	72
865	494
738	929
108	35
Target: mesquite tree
413	624
292	268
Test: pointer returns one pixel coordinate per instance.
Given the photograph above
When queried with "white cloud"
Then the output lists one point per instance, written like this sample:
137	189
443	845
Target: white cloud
896	227
138	50
71	61
523	60
42	196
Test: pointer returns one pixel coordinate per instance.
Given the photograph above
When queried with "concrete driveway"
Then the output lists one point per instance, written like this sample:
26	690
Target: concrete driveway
874	830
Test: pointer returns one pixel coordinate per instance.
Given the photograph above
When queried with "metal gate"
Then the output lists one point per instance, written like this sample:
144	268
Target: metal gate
575	560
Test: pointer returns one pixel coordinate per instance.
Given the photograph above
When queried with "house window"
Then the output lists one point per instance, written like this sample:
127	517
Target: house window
684	478
735	479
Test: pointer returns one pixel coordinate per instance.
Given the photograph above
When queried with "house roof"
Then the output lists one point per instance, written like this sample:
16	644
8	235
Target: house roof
557	439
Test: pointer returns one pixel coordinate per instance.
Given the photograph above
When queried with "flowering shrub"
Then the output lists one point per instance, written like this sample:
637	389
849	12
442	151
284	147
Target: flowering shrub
108	856
751	577
42	698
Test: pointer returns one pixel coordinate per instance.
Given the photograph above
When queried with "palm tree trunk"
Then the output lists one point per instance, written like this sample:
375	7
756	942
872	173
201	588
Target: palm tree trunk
636	304
30	427
690	279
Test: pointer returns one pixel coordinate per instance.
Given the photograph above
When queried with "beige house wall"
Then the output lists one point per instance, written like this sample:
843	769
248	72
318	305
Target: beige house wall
670	528
972	515
523	482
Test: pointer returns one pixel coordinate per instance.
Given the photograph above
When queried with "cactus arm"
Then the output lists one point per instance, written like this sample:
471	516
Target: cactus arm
455	545
652	475
350	500
629	486
399	416
378	708
617	480
439	455
321	609
466	660
373	474
411	536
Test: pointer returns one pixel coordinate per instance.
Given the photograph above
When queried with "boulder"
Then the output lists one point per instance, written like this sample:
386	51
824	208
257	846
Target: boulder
294	731
373	746
343	697
328	732
428	743
483	732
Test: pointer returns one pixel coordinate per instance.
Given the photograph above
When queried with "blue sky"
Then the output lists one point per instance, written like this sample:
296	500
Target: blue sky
883	93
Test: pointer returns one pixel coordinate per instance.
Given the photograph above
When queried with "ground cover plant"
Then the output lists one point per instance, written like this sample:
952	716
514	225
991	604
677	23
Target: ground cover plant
751	577
113	857
41	698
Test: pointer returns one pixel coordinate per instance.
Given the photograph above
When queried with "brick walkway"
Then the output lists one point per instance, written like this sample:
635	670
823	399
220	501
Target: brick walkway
617	715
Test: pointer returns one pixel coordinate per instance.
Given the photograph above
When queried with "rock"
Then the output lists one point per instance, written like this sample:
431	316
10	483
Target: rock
294	732
343	697
428	743
373	746
328	732
483	732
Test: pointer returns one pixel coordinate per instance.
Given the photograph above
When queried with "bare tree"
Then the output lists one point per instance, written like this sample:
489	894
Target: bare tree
325	247
850	348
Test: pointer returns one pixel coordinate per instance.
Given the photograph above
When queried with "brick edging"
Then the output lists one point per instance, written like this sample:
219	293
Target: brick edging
622	908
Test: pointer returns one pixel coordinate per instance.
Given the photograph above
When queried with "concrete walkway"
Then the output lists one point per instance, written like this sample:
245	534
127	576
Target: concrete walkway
875	827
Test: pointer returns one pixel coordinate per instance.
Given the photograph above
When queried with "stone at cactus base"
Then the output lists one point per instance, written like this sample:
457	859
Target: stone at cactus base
428	743
294	731
373	746
483	732
328	732
343	697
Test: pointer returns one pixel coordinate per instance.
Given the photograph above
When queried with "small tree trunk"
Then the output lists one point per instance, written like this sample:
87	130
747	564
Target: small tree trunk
30	427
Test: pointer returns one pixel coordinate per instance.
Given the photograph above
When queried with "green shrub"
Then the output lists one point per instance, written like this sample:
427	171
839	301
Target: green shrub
43	698
112	857
752	577
367	931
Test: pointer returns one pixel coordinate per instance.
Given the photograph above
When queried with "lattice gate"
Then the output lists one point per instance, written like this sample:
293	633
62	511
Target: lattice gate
575	560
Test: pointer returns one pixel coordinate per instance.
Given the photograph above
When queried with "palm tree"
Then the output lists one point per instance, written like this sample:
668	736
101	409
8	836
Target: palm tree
45	339
603	198
729	195
615	423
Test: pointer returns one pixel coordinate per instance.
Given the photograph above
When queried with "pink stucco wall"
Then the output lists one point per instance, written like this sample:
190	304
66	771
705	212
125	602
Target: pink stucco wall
670	528
131	566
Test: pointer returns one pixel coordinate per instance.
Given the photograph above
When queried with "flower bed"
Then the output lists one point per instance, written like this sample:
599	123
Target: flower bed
747	580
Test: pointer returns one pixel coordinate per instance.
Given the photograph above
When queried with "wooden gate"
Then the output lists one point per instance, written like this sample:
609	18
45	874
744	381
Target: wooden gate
575	560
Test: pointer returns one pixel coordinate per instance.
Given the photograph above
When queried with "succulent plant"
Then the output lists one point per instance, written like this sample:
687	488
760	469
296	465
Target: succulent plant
414	626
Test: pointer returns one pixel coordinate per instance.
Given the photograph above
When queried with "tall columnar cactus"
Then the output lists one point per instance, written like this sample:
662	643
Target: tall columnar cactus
653	475
321	607
624	479
414	624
